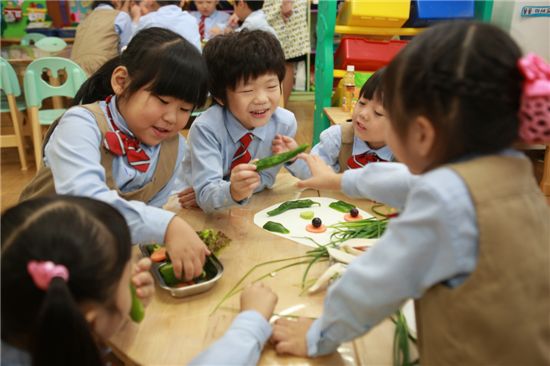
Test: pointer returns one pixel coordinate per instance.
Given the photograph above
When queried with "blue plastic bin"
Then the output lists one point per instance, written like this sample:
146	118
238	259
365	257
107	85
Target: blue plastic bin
66	32
48	32
426	12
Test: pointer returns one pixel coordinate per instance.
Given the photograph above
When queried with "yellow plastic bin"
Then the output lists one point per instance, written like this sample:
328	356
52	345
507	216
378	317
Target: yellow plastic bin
368	13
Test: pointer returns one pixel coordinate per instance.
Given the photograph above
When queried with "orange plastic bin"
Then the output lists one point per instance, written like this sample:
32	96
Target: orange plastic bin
366	54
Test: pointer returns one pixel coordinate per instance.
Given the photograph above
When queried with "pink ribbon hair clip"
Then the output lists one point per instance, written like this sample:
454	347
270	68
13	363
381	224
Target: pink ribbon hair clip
535	101
42	273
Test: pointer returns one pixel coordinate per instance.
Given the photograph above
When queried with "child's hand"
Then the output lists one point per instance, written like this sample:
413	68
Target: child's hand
286	9
259	297
282	144
214	31
322	175
289	336
143	281
244	180
232	22
186	250
187	198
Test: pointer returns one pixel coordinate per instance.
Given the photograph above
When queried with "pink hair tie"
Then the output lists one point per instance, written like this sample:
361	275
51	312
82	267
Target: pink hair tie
42	273
535	101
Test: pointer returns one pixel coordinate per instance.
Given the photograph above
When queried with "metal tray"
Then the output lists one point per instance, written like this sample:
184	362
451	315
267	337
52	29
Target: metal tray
212	267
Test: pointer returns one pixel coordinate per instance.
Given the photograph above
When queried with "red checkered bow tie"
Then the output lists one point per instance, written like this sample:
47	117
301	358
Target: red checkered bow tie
360	160
119	144
242	156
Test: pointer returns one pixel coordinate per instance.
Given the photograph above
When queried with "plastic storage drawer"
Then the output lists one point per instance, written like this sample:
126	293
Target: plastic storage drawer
367	13
366	54
426	12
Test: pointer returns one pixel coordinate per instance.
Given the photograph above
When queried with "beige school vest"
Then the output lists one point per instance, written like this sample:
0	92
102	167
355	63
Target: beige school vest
43	183
96	41
501	314
346	147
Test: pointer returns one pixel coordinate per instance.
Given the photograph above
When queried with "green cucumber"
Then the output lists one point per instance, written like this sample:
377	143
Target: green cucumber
137	311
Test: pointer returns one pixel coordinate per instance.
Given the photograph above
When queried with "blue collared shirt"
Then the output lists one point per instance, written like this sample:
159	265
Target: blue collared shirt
123	25
242	343
173	18
257	21
434	240
328	149
213	140
216	19
73	154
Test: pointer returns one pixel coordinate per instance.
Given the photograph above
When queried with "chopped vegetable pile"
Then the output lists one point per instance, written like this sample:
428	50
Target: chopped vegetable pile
214	240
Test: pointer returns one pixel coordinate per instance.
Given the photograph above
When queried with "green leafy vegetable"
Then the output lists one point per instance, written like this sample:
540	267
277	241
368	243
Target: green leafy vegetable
289	205
277	159
341	206
214	240
275	227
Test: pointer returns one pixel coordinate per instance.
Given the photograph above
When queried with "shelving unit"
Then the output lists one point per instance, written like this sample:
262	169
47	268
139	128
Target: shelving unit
324	61
308	93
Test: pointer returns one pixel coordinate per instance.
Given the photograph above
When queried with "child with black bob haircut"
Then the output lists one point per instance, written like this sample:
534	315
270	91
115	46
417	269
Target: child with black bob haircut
472	242
349	145
123	145
245	71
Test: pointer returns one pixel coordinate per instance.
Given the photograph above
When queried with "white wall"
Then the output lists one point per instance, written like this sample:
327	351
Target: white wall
531	33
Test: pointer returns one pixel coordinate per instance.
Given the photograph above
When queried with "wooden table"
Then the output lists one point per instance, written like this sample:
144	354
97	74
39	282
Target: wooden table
337	115
175	330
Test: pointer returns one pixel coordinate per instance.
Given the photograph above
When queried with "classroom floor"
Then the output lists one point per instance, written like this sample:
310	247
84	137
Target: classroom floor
13	180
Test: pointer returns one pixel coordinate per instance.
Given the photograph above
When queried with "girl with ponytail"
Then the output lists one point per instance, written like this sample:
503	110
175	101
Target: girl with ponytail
66	272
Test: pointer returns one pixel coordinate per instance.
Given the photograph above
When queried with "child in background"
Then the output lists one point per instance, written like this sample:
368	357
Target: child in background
251	15
349	145
101	36
245	71
125	148
211	21
475	277
170	16
66	271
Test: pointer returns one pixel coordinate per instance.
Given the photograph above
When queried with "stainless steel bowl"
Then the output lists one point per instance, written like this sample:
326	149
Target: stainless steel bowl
212	267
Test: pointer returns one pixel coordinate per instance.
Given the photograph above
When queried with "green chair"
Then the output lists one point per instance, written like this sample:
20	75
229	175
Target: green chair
51	44
37	89
31	37
9	85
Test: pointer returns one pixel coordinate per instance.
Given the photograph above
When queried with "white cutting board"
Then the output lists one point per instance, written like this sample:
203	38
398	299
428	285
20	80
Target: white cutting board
297	226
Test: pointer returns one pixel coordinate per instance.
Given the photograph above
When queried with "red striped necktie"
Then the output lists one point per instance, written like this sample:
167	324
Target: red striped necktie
119	144
242	156
201	26
360	160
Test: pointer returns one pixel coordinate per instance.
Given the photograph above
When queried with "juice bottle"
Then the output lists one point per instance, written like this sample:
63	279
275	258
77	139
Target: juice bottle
349	88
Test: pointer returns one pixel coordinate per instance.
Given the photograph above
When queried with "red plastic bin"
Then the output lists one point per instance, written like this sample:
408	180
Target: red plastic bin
366	54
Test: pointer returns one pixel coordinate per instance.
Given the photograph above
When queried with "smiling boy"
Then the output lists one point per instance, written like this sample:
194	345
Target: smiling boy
245	74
